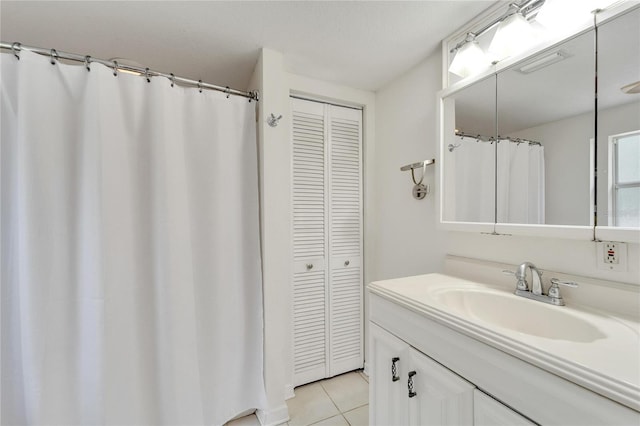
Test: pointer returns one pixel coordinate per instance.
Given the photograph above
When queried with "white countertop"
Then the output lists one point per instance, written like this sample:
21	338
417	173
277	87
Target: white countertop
608	364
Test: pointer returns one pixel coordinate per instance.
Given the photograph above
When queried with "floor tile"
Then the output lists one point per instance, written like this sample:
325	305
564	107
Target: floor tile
347	391
358	417
333	421
310	405
250	420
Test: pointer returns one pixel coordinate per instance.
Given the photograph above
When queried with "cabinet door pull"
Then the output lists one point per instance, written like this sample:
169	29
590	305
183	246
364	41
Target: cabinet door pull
394	369
410	384
309	266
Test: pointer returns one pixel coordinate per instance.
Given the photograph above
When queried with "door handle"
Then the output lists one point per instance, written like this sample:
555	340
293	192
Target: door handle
410	384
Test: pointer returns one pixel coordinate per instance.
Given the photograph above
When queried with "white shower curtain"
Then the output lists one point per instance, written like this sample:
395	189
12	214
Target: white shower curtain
474	186
520	177
131	279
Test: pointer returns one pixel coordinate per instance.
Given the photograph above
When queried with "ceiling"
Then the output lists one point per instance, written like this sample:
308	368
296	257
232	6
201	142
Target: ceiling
361	44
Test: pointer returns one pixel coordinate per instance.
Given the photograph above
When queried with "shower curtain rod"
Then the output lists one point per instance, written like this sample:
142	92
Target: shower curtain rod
500	138
145	72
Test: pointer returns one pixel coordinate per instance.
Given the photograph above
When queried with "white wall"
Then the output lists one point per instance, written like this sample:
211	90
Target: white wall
567	156
275	226
408	240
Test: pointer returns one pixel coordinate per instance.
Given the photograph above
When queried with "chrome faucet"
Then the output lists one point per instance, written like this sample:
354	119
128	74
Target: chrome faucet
536	278
536	292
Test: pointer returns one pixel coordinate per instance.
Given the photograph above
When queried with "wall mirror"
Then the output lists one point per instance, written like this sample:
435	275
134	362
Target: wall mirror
469	154
618	181
545	115
551	175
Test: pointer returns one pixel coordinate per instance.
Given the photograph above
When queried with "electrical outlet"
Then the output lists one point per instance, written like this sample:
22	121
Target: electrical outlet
611	253
612	256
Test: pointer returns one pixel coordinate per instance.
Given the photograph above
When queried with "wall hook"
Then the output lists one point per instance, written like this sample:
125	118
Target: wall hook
273	120
419	189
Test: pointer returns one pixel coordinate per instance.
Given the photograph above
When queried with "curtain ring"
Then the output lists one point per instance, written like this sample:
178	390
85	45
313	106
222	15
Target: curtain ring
115	68
15	48
87	62
146	75
54	56
227	90
173	79
200	86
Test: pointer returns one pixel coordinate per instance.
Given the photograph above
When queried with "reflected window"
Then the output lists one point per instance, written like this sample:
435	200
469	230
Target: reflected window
625	182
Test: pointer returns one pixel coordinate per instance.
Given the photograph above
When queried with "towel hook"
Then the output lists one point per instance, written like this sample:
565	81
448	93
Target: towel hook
200	86
115	68
273	120
172	79
87	63
420	190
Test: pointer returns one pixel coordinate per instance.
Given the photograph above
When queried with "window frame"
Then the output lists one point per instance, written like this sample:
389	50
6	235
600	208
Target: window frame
614	185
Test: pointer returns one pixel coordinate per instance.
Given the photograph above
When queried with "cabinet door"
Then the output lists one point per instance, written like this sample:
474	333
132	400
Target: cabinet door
345	238
489	412
387	391
440	396
309	248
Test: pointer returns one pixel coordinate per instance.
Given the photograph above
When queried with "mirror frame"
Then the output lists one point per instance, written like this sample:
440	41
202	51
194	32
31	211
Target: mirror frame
592	232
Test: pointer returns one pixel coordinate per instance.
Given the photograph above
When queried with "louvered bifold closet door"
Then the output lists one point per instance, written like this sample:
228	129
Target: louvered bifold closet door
309	237
345	239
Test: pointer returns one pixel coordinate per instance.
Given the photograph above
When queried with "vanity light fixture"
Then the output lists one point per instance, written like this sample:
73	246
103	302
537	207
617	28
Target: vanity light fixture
514	35
469	59
544	61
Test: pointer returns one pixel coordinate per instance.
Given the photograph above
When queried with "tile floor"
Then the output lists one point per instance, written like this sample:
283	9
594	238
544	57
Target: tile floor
340	401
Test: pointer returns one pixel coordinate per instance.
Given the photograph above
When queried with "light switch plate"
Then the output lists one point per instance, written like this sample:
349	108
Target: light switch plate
611	256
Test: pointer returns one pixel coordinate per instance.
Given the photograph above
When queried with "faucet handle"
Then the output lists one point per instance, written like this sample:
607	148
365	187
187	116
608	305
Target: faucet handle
554	290
522	283
555	282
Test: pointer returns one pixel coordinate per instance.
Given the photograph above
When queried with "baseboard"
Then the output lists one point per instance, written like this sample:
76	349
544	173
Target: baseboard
366	369
288	392
273	416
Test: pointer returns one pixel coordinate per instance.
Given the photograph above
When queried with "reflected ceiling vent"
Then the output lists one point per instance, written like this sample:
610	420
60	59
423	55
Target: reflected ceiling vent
543	61
631	89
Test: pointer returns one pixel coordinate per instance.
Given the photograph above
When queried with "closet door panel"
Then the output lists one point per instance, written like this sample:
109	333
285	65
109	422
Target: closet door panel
345	239
309	242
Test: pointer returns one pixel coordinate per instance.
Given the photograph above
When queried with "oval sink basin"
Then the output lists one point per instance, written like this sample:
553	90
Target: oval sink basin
518	314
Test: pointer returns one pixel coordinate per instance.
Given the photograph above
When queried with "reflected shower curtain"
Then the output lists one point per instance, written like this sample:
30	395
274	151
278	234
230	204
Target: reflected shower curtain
131	280
474	173
520	177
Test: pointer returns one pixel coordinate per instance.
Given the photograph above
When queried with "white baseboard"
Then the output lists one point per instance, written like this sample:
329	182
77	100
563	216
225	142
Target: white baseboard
366	369
288	392
273	416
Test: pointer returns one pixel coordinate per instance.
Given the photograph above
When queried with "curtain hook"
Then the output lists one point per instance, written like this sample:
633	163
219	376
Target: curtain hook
87	62
173	79
200	86
54	56
146	75
15	48
227	90
115	68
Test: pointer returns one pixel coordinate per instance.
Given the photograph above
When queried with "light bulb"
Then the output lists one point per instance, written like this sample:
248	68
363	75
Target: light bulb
469	60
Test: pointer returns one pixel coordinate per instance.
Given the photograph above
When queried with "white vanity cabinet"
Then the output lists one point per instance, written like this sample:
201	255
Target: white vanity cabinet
489	412
469	373
409	388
